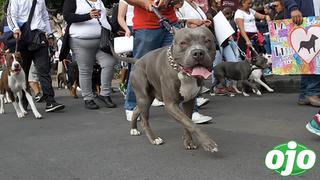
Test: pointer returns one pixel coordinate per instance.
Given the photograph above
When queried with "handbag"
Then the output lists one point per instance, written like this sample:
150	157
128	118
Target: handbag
26	36
106	36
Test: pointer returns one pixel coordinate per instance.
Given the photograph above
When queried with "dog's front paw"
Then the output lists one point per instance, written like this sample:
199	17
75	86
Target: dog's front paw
189	145
38	115
157	141
209	145
24	112
21	115
270	90
135	132
245	94
258	93
1	111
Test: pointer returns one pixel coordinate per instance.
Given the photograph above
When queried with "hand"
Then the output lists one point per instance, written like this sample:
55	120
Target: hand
248	43
207	22
193	23
50	42
268	19
161	4
128	33
296	17
94	13
17	34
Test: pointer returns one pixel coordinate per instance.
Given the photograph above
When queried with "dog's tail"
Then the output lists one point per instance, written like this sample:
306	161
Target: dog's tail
120	58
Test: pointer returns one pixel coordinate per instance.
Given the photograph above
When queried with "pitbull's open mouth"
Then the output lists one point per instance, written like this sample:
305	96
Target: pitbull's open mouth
16	70
197	71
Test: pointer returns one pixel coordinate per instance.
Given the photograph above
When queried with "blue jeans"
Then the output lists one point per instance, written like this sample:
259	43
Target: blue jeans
266	43
146	40
309	86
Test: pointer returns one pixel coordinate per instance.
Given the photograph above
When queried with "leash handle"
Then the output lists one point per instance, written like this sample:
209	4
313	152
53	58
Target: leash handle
17	45
163	21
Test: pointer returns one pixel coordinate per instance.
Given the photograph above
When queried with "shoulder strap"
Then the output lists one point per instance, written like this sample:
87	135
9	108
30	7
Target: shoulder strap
33	7
96	18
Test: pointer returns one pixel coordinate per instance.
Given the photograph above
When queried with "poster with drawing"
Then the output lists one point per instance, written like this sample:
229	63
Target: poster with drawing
295	49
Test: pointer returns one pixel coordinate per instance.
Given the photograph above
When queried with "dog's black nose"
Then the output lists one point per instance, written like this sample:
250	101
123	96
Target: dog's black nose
197	54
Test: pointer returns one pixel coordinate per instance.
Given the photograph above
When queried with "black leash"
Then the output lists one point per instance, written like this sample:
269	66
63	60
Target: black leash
164	22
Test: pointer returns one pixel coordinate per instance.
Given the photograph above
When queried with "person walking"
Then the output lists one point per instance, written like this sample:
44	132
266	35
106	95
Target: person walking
84	32
17	14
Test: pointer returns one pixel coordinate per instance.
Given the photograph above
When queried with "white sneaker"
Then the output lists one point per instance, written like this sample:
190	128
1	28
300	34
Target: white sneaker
129	114
157	103
199	118
200	101
204	90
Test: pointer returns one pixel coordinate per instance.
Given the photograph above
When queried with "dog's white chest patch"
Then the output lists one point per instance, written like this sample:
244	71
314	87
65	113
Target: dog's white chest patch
17	82
189	88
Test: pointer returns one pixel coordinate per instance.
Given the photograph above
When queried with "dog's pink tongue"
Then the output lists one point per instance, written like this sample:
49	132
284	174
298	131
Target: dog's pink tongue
200	71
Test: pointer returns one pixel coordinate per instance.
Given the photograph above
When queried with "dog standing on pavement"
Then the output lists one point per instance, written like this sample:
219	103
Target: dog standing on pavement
239	71
174	75
12	83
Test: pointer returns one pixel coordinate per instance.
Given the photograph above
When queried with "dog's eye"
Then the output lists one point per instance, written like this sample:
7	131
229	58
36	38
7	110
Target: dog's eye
183	43
207	41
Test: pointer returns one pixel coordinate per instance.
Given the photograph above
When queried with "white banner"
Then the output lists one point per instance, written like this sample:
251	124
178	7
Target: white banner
222	28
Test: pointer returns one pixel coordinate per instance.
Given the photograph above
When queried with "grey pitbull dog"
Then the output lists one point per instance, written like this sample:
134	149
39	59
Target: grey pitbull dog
239	71
174	75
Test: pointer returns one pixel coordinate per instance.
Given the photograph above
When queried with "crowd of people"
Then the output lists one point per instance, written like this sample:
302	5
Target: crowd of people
81	42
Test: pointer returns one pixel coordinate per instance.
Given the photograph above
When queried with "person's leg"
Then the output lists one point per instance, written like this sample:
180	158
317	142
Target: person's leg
107	63
27	57
85	56
312	90
145	40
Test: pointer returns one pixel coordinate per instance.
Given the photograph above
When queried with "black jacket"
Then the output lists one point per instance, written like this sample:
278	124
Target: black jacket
69	15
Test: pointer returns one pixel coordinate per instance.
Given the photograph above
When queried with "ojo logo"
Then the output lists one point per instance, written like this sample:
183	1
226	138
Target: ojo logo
290	159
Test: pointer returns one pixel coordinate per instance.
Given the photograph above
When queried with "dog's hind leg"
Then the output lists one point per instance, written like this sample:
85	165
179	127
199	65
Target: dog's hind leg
134	128
187	137
19	94
33	106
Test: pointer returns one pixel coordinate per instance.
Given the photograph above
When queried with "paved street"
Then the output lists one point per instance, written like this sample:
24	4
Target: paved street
79	144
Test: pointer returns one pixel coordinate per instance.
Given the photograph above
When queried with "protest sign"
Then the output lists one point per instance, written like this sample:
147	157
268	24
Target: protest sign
222	27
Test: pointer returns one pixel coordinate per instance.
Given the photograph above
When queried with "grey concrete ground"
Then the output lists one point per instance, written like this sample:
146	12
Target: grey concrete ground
79	144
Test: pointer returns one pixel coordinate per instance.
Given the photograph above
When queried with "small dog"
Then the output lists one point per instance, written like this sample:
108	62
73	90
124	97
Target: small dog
311	44
62	80
239	71
12	83
257	75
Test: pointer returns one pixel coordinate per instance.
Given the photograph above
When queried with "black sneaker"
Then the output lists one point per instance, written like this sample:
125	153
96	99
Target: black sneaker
53	106
38	98
90	104
107	101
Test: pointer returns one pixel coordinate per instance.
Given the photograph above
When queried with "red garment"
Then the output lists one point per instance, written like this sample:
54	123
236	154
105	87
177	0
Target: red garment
143	19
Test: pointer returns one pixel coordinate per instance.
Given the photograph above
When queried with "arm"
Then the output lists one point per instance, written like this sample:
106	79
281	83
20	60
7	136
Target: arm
122	11
69	9
240	24
12	15
141	3
45	16
262	16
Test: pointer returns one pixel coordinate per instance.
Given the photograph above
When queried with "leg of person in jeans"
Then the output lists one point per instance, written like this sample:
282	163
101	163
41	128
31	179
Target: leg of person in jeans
309	90
145	40
107	63
42	63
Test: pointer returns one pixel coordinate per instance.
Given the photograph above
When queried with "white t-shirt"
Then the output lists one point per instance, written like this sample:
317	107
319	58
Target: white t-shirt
89	29
249	20
316	4
188	12
129	14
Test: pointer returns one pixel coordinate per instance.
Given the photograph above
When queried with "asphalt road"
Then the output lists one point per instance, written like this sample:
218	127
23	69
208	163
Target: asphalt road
78	144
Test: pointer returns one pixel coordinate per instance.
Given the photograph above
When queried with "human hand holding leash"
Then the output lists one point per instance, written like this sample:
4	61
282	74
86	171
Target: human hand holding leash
17	34
94	13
